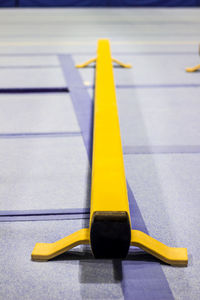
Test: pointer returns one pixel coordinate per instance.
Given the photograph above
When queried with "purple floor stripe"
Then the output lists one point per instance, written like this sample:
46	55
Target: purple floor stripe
33	90
138	35
93	53
161	149
30	67
22	135
43	218
27	54
157	86
152	86
142	280
35	212
82	103
138	53
44	214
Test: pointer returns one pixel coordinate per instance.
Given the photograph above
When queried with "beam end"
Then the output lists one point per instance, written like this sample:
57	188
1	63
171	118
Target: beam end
110	234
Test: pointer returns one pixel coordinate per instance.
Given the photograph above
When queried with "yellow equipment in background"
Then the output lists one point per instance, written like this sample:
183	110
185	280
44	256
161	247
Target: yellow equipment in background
194	69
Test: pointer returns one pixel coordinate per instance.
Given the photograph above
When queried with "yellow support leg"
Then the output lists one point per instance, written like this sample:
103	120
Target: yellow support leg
92	60
121	64
109	233
170	255
87	63
46	251
194	69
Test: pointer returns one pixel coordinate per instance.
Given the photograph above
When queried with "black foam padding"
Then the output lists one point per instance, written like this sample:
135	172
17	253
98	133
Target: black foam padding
110	234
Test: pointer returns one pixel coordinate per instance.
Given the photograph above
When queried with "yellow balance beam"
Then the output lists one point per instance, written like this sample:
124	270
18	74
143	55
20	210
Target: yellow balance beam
110	233
109	216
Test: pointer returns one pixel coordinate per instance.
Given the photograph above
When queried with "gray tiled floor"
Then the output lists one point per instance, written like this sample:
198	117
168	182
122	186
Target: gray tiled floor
53	172
37	113
76	275
43	173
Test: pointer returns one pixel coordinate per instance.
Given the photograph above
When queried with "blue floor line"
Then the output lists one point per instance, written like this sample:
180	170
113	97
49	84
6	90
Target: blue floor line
132	53
22	135
166	149
44	214
43	218
27	54
153	53
156	86
32	90
35	212
153	284
152	86
30	67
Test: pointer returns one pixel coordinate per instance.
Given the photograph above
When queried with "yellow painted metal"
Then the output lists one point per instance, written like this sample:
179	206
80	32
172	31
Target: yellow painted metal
193	69
85	64
109	192
46	251
170	255
121	64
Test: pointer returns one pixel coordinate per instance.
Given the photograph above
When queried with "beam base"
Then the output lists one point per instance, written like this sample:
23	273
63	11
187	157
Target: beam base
172	256
194	69
92	60
47	251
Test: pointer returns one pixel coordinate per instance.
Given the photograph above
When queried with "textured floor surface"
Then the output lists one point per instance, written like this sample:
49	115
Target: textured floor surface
44	158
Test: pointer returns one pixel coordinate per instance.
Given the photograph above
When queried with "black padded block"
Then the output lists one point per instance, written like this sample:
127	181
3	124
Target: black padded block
110	234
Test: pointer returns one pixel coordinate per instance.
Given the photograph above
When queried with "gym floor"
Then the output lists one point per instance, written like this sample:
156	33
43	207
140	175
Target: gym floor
45	139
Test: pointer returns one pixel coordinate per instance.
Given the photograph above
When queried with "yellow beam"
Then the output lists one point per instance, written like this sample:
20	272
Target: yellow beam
110	233
108	191
109	210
